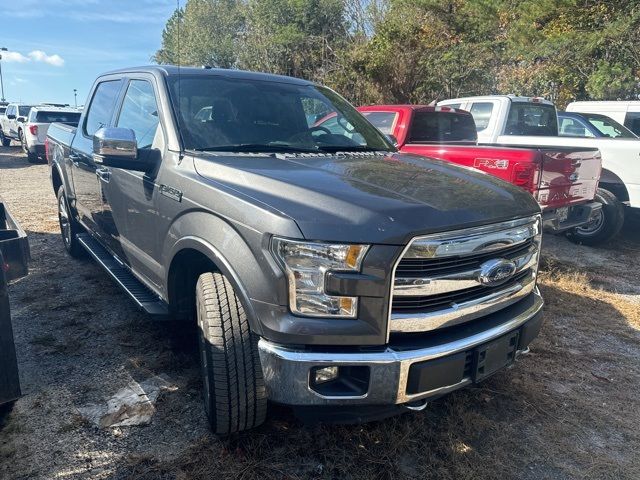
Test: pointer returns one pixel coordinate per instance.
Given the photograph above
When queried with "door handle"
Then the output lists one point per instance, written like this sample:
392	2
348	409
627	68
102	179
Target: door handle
103	174
74	159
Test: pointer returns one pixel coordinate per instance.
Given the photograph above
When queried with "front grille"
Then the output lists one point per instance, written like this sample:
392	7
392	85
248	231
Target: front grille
447	279
432	303
424	267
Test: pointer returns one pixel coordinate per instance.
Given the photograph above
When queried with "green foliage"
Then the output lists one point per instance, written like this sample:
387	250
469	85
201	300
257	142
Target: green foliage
421	50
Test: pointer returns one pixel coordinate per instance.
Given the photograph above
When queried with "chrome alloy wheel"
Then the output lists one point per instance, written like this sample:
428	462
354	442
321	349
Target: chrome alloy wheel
594	226
65	220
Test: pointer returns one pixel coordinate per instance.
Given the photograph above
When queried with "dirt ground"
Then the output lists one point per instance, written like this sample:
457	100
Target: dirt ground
568	410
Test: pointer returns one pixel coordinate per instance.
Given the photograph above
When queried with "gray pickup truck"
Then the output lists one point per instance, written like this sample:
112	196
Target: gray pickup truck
325	270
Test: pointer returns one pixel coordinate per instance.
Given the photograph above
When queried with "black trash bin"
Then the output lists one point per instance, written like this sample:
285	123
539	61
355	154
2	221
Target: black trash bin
9	379
14	258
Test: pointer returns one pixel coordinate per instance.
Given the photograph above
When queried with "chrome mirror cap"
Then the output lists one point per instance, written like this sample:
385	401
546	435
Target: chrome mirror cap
115	142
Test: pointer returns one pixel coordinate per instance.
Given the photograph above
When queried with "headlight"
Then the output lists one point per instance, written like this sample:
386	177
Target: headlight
306	264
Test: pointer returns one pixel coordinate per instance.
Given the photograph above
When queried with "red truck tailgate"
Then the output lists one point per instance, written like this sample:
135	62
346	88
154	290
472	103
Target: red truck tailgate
568	177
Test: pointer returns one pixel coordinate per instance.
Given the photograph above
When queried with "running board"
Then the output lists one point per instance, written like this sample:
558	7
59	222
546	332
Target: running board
143	296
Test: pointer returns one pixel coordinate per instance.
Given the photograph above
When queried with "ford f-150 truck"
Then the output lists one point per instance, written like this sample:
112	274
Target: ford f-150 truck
511	120
563	180
324	269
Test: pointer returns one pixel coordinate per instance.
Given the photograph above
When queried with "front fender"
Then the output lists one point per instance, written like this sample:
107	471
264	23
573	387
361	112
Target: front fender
239	252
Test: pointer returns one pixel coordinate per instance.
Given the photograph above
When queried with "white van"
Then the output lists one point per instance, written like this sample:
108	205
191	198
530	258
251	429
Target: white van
624	112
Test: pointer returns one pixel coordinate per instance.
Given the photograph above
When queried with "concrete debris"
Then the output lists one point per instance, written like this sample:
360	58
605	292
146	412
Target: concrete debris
133	405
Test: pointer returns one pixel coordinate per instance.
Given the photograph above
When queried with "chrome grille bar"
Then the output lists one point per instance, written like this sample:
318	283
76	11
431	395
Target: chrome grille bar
442	282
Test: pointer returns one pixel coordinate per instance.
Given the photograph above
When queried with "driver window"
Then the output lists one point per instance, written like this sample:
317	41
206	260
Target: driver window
140	113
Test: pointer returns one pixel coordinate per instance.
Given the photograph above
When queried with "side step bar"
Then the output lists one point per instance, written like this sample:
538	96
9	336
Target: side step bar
144	298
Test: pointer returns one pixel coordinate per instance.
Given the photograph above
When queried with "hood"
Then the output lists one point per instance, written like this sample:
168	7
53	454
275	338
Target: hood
369	198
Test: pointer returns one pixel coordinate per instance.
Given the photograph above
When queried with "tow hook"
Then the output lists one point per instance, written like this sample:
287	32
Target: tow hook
416	406
522	353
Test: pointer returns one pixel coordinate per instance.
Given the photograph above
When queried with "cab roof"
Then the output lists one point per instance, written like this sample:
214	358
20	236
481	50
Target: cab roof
174	71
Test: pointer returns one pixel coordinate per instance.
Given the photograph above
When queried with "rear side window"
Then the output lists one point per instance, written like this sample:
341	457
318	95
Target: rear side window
481	112
140	112
61	117
534	119
383	121
442	127
632	122
102	106
23	111
570	127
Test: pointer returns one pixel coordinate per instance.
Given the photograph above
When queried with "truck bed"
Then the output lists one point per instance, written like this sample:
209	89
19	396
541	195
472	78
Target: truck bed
568	175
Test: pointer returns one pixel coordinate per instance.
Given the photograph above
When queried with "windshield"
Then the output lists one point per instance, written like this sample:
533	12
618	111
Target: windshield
232	114
608	126
537	119
61	117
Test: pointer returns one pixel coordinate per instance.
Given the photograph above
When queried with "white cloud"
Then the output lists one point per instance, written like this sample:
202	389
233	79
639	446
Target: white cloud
39	56
35	55
14	57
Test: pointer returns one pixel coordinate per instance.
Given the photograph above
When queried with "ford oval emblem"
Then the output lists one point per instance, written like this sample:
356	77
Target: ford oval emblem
496	271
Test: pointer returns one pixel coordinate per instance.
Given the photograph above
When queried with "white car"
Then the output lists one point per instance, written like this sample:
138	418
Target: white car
624	112
37	124
11	122
519	121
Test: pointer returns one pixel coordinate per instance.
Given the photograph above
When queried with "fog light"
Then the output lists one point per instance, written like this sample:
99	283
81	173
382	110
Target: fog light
326	374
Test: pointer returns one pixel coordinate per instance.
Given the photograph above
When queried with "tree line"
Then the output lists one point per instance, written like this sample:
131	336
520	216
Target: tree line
417	51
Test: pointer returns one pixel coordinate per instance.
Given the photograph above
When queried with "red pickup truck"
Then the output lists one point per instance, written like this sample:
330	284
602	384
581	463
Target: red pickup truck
563	180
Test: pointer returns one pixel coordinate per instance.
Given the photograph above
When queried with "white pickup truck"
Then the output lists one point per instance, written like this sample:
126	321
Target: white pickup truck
533	121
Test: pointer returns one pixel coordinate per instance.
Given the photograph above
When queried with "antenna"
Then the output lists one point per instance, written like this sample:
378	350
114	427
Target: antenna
179	77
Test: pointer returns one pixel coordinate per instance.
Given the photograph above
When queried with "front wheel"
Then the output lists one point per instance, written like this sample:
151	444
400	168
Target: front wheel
605	225
69	227
235	397
6	142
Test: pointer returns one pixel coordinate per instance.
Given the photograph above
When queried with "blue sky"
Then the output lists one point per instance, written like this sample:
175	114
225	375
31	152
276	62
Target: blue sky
58	45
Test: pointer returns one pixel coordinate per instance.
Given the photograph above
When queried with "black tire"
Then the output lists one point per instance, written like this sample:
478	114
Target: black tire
605	226
235	397
69	227
31	157
6	142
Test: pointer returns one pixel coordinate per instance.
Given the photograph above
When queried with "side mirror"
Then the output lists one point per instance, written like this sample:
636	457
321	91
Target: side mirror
392	138
118	148
22	119
11	116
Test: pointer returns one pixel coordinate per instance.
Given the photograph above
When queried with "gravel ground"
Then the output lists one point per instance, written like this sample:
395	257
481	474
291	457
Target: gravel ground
569	410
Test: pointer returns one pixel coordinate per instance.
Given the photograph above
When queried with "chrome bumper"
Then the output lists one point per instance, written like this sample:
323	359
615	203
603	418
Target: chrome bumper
287	371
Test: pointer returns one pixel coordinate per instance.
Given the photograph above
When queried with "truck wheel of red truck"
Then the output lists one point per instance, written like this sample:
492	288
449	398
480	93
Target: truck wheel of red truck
235	396
69	227
603	227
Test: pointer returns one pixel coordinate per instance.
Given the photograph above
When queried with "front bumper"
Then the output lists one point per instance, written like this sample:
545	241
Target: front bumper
578	215
390	378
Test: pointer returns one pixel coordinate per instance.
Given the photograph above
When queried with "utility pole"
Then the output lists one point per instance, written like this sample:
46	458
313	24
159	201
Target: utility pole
2	49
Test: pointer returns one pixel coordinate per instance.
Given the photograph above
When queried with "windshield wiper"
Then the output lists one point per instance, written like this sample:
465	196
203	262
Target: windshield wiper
258	148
